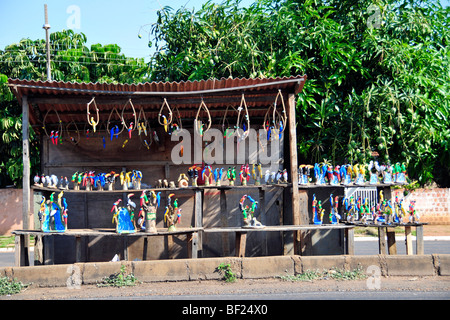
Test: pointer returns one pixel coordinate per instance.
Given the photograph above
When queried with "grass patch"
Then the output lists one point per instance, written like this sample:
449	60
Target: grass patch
10	287
373	232
6	241
225	270
334	274
119	279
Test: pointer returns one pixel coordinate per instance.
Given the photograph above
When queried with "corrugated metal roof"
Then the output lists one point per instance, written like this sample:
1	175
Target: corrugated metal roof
67	101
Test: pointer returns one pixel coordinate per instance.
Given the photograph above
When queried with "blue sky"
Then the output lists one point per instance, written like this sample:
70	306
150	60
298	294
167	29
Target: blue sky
105	22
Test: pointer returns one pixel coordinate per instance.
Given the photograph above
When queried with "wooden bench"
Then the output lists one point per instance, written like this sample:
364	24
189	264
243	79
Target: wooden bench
241	234
388	232
44	250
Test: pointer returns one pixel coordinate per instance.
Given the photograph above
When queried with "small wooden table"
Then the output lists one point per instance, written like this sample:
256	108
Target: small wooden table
45	253
387	231
241	234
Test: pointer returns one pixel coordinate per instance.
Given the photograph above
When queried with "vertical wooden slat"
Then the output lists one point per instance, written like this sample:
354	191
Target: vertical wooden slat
419	240
294	171
241	241
408	240
26	164
382	240
350	241
224	223
392	247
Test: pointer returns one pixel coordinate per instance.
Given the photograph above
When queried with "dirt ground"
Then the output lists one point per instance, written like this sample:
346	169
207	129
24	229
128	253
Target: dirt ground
436	230
218	287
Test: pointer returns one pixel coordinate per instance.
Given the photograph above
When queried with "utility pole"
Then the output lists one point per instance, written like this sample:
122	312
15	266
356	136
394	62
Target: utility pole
47	43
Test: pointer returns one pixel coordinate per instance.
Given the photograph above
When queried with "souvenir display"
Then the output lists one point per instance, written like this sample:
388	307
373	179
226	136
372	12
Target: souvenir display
304	171
172	215
207	174
374	171
319	174
244	174
123	217
413	214
193	175
317	211
231	175
147	213
257	176
183	181
110	180
53	214
334	212
399	173
386	172
248	214
218	176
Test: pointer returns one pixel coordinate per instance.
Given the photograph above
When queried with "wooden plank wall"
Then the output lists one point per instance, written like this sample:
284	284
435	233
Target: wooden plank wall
92	210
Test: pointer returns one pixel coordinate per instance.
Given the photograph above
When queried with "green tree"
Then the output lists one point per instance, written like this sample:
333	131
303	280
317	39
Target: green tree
71	60
378	71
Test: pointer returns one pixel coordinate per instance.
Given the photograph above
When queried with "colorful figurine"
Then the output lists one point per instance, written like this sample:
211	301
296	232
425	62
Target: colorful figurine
218	176
147	214
334	215
244	174
317	211
231	175
193	175
413	215
249	213
53	214
124	216
374	171
183	181
172	215
257	175
303	173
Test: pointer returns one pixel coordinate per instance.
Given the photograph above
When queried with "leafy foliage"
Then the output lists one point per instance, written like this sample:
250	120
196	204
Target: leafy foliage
378	71
70	60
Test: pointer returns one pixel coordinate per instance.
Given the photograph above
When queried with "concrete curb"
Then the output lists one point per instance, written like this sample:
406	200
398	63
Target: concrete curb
244	268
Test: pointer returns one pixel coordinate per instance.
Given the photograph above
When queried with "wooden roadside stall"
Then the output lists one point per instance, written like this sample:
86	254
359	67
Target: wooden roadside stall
92	124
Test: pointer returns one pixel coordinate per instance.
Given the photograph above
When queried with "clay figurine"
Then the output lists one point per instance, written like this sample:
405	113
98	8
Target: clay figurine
123	217
249	213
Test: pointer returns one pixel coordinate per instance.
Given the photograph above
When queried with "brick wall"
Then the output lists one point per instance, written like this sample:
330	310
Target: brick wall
433	205
10	210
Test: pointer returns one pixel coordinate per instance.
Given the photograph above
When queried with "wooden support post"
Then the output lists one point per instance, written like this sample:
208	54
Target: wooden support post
125	248
38	251
49	249
21	251
78	249
198	216
145	249
26	191
349	241
189	237
392	247
381	240
294	170
419	240
408	240
241	241
224	223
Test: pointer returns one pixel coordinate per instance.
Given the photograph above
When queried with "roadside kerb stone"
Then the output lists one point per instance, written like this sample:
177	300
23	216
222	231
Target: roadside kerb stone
161	270
264	267
442	264
361	262
321	263
206	269
246	268
42	276
421	265
94	272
